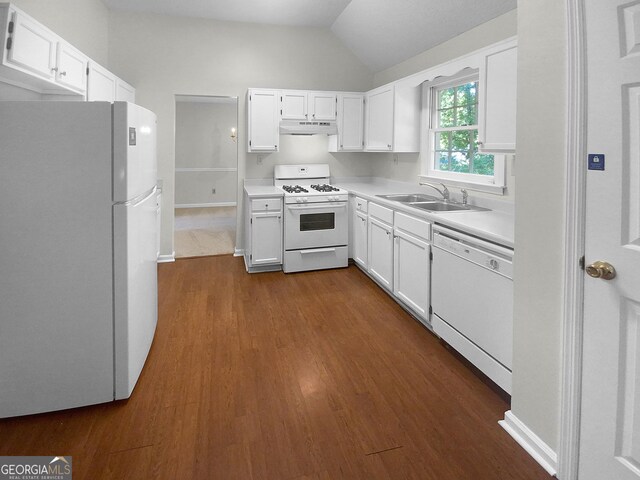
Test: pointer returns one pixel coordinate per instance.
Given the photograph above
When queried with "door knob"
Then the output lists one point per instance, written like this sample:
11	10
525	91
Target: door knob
602	270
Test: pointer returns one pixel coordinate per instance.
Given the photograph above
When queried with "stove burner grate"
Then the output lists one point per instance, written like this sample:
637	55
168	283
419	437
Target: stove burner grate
325	188
294	189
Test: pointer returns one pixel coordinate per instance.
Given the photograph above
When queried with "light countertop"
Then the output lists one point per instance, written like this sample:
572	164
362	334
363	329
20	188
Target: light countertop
495	225
261	188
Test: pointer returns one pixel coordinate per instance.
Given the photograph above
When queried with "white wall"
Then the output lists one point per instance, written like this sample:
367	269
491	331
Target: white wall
206	57
203	134
539	230
409	166
83	23
203	140
493	31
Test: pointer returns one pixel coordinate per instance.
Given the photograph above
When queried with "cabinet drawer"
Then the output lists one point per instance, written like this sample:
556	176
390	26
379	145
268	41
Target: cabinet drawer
266	204
361	205
381	213
415	226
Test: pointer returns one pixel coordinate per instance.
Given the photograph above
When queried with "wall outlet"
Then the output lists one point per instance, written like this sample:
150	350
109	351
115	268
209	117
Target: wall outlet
260	158
395	158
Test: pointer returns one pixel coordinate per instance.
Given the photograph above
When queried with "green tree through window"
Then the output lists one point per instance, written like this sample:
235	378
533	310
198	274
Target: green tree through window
455	123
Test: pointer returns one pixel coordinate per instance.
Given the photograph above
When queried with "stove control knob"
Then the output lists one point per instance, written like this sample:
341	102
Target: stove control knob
305	199
298	200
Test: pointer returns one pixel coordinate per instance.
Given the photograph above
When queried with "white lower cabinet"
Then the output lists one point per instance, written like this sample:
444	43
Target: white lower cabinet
359	231
360	239
381	252
263	230
411	271
266	238
394	248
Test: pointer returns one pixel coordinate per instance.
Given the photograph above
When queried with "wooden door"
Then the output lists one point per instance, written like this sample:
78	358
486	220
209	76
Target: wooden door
610	410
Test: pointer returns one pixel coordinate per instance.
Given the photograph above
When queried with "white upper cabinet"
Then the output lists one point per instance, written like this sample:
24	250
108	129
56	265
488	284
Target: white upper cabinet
350	123
71	67
497	101
304	105
392	119
263	119
37	59
101	84
104	86
125	92
322	105
379	126
293	105
30	46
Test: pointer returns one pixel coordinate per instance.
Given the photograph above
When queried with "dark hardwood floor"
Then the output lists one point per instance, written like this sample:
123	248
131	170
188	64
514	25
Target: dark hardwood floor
316	375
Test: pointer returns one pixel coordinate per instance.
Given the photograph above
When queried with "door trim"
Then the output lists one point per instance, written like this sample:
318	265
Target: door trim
574	244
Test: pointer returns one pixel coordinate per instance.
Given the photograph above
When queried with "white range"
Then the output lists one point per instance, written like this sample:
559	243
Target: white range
315	218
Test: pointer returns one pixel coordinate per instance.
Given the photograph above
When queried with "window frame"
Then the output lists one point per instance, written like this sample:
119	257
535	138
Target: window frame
492	184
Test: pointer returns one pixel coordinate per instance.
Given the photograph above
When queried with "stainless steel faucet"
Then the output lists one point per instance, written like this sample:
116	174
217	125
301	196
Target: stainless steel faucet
444	192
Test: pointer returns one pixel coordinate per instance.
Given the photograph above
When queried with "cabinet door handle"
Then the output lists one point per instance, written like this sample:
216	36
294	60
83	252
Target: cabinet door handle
389	146
54	69
62	74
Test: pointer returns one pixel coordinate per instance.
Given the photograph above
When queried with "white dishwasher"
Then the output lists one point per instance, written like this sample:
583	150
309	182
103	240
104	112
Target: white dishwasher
472	300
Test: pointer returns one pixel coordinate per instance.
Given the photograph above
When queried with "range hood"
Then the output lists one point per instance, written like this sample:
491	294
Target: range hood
306	127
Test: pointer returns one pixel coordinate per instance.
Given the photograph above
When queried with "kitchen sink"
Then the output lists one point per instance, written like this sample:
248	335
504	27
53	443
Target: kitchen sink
409	198
439	206
430	204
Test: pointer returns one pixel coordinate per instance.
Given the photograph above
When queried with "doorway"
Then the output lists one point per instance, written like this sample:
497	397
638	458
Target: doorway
206	171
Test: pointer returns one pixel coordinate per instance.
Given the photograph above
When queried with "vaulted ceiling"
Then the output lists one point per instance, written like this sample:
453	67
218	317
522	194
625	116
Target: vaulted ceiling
381	33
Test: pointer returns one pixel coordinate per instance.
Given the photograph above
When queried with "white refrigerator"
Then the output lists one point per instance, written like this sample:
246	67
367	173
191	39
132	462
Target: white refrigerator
78	275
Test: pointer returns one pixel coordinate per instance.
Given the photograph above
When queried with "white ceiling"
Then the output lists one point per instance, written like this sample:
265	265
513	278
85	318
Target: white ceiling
381	33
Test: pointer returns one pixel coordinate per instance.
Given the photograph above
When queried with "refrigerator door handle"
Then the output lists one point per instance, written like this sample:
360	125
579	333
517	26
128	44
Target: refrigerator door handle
140	198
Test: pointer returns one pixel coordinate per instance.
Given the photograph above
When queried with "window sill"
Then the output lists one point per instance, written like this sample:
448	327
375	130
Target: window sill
478	187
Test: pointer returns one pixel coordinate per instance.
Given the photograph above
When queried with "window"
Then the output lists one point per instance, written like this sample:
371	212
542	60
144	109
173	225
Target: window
453	136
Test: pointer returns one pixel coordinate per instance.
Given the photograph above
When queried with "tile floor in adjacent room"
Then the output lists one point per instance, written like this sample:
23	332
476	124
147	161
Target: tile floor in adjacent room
204	231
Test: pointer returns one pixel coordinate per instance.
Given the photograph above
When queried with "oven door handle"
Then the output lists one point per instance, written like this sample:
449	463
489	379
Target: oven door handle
324	206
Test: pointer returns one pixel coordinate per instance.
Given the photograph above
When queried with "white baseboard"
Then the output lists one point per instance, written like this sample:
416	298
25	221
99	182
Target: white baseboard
239	252
167	258
533	445
205	205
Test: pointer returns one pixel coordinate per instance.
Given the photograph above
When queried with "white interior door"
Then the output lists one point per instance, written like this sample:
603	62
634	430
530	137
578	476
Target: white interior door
610	422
